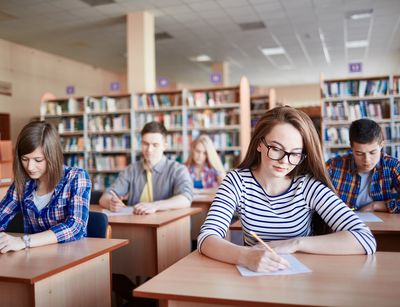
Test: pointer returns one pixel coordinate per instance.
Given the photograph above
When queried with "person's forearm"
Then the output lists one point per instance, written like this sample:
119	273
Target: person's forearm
175	202
43	238
338	243
105	200
223	250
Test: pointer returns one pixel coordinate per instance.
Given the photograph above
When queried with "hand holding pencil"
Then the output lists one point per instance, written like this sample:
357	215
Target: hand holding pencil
115	202
265	259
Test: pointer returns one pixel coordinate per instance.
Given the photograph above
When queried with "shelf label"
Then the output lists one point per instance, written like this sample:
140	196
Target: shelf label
115	86
216	77
70	89
163	82
355	67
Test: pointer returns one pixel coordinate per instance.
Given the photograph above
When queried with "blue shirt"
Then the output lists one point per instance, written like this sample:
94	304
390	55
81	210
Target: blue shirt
66	214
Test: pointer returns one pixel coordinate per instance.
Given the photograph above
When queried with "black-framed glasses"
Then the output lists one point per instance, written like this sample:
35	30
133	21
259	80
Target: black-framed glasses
277	154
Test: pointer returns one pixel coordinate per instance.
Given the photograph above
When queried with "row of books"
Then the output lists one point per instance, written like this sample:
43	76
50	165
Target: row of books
222	140
106	123
355	88
340	135
73	143
108	163
102	181
110	143
211	98
70	124
107	104
70	105
396	107
209	119
396	85
171	120
147	101
74	160
344	110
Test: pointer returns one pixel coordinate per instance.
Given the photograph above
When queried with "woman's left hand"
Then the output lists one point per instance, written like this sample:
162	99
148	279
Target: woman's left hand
285	246
10	243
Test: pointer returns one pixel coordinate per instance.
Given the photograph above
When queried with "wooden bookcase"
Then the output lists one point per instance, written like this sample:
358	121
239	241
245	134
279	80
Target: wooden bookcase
346	100
259	104
102	133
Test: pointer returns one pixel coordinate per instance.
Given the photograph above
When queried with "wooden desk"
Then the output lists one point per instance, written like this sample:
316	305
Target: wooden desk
387	233
69	274
334	281
158	240
202	201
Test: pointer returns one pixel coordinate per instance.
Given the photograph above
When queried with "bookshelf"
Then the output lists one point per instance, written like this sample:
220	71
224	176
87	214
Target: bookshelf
102	133
224	114
166	107
346	100
259	104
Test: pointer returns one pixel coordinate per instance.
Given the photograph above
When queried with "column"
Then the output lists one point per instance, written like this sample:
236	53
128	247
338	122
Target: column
141	55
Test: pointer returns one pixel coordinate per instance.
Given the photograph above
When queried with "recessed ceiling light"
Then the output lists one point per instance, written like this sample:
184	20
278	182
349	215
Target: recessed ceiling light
356	44
361	14
273	51
201	58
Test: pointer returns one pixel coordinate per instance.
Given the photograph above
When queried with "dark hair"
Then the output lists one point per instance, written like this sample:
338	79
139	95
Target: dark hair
154	127
313	164
33	135
365	131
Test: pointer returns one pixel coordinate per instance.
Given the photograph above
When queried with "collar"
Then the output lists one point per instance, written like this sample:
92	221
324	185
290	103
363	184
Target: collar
159	166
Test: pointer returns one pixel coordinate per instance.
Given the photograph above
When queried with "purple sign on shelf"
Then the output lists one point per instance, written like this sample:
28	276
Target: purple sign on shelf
216	77
355	67
115	86
163	82
70	89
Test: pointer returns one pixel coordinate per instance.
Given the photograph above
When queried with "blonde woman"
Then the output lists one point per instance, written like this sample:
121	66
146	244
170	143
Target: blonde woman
204	164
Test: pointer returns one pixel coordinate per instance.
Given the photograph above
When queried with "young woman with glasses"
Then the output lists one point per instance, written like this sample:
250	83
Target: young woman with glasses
275	191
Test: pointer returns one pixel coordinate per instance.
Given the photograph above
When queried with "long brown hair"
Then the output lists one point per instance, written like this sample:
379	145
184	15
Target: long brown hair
212	160
33	135
313	164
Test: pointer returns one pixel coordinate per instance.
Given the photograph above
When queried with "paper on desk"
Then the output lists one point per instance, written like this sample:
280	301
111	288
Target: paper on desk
296	267
368	217
122	211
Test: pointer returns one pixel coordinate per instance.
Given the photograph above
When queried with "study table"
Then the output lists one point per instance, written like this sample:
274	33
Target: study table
202	201
69	274
356	280
387	232
156	240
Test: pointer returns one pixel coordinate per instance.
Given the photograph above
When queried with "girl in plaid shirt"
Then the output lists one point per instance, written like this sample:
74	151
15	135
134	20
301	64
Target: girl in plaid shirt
53	198
205	166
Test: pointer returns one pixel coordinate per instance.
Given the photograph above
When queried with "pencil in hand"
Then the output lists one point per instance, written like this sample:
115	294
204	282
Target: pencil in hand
262	242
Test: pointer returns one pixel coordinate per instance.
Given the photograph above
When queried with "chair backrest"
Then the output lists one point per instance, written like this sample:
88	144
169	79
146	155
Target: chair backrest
16	224
95	197
97	225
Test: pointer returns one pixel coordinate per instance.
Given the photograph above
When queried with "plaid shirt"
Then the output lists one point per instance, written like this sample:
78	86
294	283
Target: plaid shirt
209	176
66	214
385	182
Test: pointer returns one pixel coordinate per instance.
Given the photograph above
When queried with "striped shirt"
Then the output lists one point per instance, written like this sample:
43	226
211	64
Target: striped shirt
283	216
385	180
66	214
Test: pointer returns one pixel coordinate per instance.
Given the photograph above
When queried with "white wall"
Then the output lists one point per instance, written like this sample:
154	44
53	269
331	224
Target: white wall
33	73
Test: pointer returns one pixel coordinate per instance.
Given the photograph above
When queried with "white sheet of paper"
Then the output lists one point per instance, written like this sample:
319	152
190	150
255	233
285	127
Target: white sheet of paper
123	211
368	217
296	267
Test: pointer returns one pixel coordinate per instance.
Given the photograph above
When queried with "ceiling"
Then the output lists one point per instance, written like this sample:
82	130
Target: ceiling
96	35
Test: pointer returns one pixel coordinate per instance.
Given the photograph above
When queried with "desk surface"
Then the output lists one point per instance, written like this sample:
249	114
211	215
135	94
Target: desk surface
334	281
34	264
390	224
157	219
